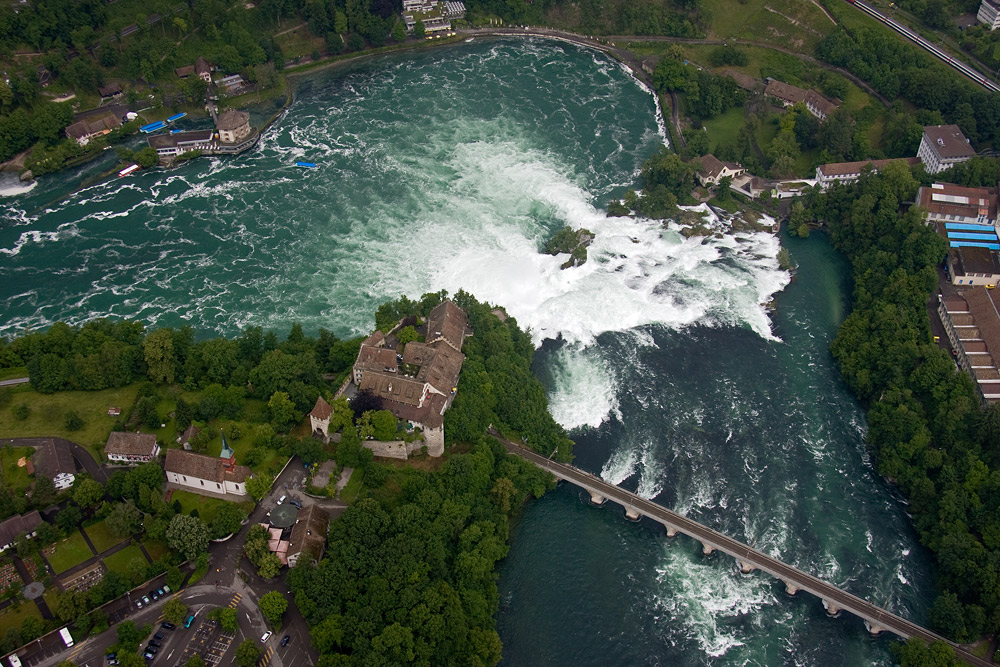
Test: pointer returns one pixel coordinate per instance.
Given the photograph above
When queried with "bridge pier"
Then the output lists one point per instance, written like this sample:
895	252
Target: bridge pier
745	567
874	629
671	531
707	549
597	499
632	514
791	588
831	608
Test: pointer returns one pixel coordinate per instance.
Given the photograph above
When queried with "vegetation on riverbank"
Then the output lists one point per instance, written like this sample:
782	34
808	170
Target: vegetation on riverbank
926	427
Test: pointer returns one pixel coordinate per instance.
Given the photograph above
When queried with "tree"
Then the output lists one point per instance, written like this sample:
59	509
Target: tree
72	421
125	519
158	349
21	411
247	653
188	536
259	485
281	410
227	520
69	519
88	493
146	157
269	566
44	492
419	31
175	610
399	31
228	620
273	605
129	636
195	661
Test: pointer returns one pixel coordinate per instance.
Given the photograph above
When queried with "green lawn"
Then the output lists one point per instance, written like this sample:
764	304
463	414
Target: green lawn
13	616
725	128
48	411
120	560
299	42
69	552
350	492
206	506
101	536
15	477
156	550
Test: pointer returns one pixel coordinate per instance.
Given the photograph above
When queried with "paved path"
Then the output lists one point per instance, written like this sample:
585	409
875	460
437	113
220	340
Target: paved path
8	383
834	599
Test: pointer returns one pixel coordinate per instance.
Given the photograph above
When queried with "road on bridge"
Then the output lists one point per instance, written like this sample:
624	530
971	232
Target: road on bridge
744	553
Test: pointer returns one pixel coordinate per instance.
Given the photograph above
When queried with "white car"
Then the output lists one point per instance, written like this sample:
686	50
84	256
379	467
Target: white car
265	636
281	499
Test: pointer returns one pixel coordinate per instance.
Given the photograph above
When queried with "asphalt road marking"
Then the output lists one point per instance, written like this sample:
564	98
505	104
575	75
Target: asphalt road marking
235	601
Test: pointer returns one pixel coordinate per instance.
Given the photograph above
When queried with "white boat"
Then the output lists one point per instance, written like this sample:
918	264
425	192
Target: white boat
128	170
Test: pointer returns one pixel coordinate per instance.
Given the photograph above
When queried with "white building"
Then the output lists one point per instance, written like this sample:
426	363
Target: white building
848	172
989	15
436	16
319	418
711	169
942	147
209	474
20	524
131	447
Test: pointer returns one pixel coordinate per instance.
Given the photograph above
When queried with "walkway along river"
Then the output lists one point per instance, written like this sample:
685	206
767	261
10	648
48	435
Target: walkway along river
834	599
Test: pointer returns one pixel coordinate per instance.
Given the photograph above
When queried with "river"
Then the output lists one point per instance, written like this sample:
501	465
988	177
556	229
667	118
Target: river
448	169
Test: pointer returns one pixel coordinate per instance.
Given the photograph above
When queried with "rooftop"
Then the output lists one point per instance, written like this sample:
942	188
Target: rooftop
322	410
130	444
949	199
948	141
200	466
21	523
977	260
844	168
50	459
231	119
309	532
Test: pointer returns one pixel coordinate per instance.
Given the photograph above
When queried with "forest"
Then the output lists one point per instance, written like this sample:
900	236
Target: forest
926	427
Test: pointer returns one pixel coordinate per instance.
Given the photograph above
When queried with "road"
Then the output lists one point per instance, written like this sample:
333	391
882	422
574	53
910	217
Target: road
836	598
8	383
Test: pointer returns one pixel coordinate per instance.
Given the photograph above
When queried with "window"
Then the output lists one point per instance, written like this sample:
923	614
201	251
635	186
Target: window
218	485
202	482
185	478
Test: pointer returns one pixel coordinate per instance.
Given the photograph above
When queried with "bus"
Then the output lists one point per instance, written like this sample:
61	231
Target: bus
66	637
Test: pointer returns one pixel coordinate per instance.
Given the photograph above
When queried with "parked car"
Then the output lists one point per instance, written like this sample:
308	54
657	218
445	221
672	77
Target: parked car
153	595
285	640
266	636
158	636
166	589
148	656
167	625
296	503
189	621
138	603
160	591
151	649
153	642
281	499
145	599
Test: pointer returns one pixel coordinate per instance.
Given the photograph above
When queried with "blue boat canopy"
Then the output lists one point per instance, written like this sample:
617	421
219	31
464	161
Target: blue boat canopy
152	127
176	116
311	165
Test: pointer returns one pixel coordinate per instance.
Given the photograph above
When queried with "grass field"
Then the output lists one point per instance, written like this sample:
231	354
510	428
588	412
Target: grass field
724	129
207	507
791	24
299	42
14	615
101	536
120	560
69	552
350	492
48	411
15	477
156	550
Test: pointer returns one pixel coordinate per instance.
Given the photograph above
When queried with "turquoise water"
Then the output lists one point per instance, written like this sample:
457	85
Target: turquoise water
449	169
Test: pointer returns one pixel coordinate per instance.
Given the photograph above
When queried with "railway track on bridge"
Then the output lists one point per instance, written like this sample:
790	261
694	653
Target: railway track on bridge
834	598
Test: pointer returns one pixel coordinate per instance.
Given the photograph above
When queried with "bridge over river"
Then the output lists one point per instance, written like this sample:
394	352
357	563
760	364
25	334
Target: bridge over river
834	599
